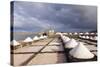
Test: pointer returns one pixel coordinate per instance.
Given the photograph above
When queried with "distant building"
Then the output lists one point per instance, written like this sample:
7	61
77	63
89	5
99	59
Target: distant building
51	32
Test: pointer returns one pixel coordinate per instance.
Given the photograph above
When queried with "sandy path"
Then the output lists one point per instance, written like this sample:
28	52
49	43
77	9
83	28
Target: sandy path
50	58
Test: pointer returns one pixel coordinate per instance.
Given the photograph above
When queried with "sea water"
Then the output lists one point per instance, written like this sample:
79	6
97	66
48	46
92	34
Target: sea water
21	36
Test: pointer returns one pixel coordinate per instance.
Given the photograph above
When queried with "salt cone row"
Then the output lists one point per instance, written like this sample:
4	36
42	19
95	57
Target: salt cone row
79	50
28	39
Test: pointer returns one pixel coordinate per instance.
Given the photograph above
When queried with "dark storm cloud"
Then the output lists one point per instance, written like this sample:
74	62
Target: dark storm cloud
30	16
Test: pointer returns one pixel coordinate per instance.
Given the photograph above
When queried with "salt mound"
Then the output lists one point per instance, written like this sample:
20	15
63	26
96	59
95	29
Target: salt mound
87	33
95	38
14	42
75	33
71	43
45	36
28	39
87	37
41	37
65	39
81	52
36	38
58	33
83	36
91	38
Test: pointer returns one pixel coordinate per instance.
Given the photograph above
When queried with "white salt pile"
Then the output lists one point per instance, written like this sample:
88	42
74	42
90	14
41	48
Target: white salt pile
92	33
28	39
41	37
70	33
80	36
81	52
83	36
91	38
81	33
75	33
87	37
14	42
95	38
45	36
36	38
65	39
71	43
86	33
59	33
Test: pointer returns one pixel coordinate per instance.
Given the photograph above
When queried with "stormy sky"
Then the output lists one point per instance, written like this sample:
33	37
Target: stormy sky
35	17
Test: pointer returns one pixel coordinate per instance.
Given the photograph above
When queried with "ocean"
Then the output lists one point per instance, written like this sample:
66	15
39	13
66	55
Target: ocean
22	36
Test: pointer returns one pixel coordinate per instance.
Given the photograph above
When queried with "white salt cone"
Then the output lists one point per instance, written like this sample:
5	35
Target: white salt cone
71	43
66	39
87	33
95	38
35	38
87	37
91	38
75	33
41	37
28	39
83	36
45	36
14	42
81	52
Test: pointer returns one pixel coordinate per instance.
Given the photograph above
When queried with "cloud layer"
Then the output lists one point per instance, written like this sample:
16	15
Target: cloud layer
32	16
